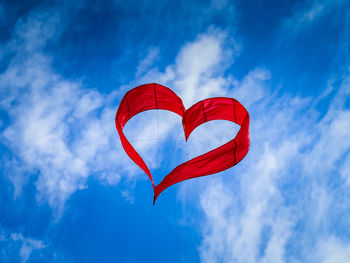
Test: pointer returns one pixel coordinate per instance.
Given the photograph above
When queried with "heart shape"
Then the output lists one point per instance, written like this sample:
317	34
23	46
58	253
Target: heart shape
154	96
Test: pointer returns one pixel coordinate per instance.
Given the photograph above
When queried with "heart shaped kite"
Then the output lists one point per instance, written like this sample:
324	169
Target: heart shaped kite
155	96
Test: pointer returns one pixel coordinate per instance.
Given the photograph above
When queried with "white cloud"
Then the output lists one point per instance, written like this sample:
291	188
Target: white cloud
288	150
28	245
128	196
333	141
15	244
303	18
147	62
200	65
345	170
251	89
58	128
332	250
308	13
198	72
46	118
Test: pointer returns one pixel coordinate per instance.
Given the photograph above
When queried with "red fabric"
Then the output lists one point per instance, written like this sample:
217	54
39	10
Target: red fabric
155	96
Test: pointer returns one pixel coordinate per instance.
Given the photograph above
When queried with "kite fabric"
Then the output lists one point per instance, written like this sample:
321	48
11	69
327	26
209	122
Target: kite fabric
154	96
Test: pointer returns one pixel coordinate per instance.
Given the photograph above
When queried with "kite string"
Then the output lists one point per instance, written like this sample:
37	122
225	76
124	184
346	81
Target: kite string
190	257
205	206
165	163
186	206
186	253
207	196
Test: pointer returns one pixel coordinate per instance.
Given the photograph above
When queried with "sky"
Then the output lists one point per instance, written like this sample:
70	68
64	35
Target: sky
68	191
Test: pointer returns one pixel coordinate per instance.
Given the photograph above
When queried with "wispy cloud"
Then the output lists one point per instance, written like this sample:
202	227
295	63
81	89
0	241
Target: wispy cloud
17	244
283	182
28	245
332	250
306	14
148	61
58	128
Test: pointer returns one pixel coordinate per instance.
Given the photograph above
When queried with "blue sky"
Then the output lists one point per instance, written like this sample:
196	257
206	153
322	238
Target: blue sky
68	191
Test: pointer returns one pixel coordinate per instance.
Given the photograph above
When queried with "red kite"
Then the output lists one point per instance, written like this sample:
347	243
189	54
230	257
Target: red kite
154	96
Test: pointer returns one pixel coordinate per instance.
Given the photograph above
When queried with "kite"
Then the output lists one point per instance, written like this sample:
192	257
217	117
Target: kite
154	96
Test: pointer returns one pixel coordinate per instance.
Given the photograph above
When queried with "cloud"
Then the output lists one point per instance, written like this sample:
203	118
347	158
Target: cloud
53	124
252	216
332	250
306	14
28	245
201	64
58	129
345	170
303	18
252	200
199	67
148	61
17	244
